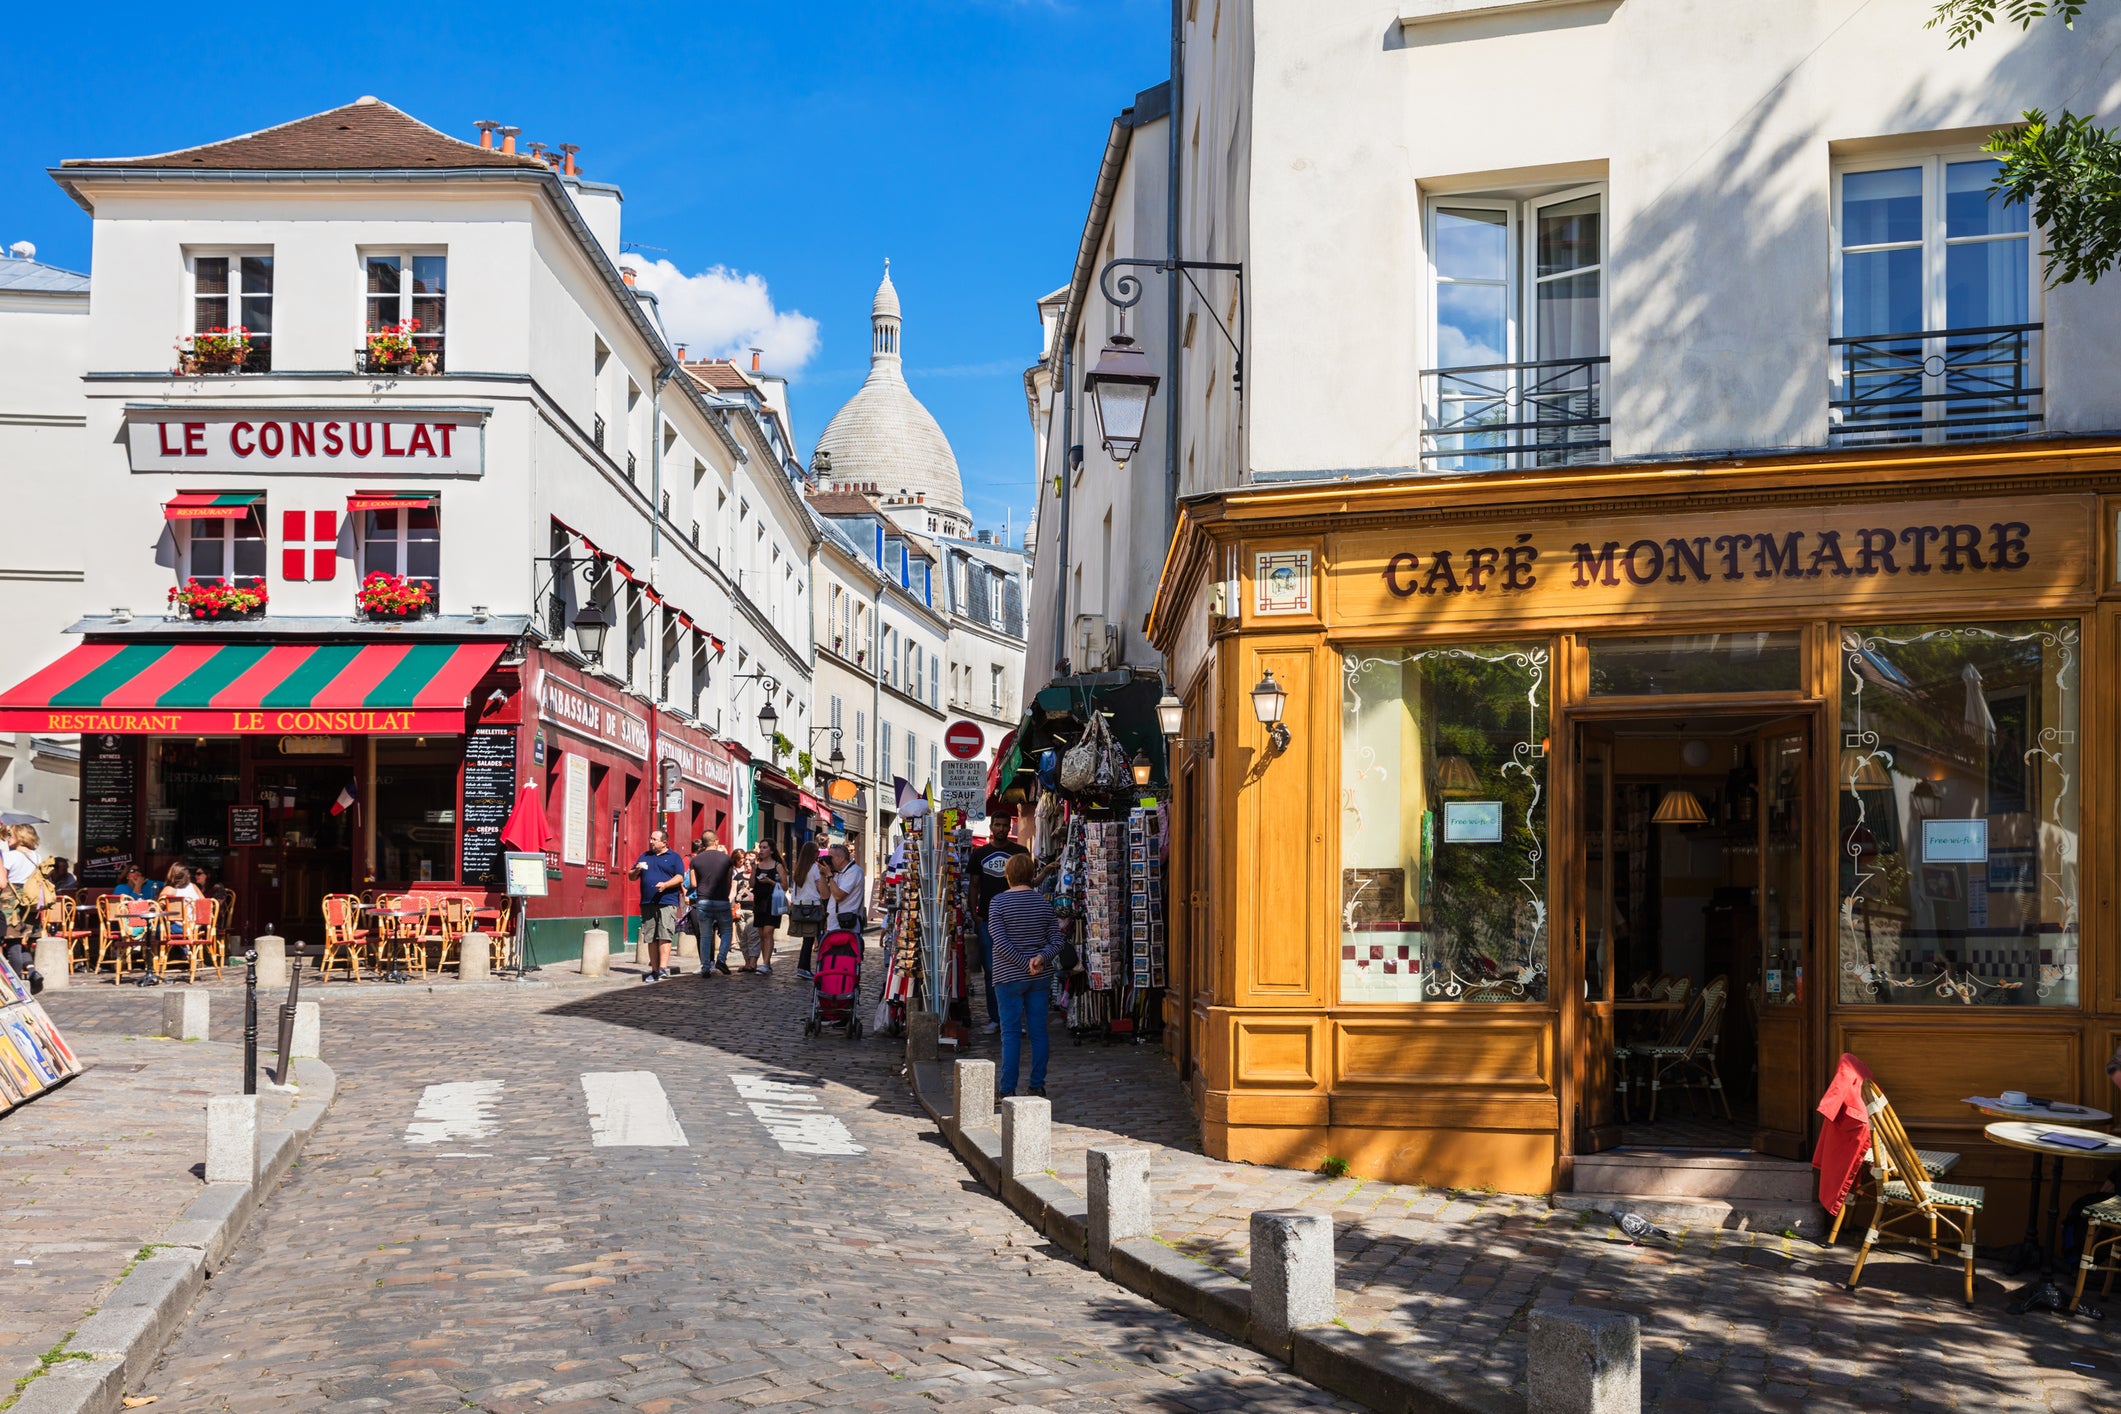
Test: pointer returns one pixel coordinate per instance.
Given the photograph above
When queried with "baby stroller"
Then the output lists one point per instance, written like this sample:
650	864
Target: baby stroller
836	989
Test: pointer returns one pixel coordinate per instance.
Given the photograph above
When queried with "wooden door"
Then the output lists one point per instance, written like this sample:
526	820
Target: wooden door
1776	986
1597	1095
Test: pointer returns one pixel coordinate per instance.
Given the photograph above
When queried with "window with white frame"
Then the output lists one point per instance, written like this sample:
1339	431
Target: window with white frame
1517	344
231	292
406	542
883	750
861	743
1936	333
913	762
935	681
996	684
933	759
223	550
407	297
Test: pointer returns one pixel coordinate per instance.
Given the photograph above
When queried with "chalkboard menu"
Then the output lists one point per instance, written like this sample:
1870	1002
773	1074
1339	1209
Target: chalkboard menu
246	824
489	796
110	779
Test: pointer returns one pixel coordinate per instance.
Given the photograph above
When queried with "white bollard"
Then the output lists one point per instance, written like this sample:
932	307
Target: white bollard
184	1012
232	1139
55	959
308	1040
474	958
596	953
972	1094
1584	1361
1027	1135
271	949
1292	1275
1119	1200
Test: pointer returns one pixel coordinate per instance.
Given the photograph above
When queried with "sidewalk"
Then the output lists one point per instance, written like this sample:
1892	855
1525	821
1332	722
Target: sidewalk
98	1169
1730	1320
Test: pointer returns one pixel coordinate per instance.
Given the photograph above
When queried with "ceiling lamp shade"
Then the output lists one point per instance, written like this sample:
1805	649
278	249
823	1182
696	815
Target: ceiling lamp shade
1864	770
1680	807
1455	776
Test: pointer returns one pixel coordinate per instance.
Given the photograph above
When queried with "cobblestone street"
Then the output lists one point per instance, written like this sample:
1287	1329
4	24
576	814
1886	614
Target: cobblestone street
505	1246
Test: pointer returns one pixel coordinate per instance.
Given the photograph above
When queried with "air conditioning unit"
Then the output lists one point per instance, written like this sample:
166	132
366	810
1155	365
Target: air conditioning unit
1096	643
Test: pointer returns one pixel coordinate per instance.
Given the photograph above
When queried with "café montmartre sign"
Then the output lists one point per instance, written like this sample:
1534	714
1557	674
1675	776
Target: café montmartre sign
1736	559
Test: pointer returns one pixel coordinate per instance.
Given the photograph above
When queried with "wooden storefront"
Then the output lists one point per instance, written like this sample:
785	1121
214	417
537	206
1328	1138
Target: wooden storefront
1892	672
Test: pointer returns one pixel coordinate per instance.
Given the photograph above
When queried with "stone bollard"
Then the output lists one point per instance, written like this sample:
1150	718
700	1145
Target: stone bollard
1292	1275
271	949
923	1035
232	1139
1584	1361
309	1033
596	953
184	1014
474	958
972	1094
55	959
1119	1200
1027	1135
688	947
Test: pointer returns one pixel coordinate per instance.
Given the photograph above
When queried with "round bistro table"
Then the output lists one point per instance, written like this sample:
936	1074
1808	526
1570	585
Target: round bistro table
2044	1293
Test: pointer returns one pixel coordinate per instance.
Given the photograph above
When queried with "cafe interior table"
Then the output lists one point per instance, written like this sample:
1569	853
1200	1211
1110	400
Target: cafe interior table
2044	1293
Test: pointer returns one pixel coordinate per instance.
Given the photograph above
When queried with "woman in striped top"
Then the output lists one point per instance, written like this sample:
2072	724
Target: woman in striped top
1027	937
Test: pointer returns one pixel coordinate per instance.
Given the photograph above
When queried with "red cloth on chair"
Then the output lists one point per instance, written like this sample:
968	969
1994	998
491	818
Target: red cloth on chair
1846	1138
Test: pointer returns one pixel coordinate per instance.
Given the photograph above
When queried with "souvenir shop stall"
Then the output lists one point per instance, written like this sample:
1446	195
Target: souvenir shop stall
34	1057
930	928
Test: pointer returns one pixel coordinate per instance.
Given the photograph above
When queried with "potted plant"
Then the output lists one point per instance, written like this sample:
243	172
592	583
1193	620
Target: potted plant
390	596
212	599
215	350
391	349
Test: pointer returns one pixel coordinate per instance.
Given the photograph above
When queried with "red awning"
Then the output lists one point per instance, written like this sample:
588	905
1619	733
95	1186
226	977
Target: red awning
806	801
210	505
302	688
390	501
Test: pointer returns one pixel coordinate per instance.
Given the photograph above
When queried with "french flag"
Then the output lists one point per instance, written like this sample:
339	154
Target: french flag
349	798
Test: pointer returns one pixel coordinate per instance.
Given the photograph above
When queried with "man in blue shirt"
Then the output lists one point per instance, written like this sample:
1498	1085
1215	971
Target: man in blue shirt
661	871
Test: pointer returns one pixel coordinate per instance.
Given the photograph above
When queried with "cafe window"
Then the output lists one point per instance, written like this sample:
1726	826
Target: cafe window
416	809
408	294
1443	825
406	543
191	783
223	550
1960	777
235	292
1668	664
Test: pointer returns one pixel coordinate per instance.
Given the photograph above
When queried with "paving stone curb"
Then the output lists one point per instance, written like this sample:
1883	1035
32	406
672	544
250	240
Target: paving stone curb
124	1335
1363	1368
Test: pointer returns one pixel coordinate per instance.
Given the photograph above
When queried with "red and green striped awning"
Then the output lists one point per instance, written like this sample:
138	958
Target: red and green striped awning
215	688
200	505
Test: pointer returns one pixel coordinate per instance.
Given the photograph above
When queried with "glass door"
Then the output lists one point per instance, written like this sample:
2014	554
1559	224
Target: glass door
1598	1105
1779	993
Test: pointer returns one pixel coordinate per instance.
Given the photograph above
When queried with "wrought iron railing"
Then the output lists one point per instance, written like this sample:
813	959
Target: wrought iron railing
1500	416
426	359
1941	385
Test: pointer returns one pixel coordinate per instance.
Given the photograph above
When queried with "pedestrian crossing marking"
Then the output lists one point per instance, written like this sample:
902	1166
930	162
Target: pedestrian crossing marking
628	1110
456	1110
794	1115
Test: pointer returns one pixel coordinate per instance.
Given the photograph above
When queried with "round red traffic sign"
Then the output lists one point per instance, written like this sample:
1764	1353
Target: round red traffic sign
964	740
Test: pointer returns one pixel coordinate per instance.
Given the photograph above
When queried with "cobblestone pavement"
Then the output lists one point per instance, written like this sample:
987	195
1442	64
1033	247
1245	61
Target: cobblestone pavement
1731	1320
513	1263
95	1170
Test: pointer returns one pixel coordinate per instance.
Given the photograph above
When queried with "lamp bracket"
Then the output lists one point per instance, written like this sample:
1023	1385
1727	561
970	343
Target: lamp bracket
1196	745
1123	291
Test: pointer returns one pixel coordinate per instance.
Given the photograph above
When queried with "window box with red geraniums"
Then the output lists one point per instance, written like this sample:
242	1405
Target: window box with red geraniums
212	599
390	596
214	350
392	349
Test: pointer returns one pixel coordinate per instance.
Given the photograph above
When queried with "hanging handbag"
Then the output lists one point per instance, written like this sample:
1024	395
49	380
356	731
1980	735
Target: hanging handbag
1079	766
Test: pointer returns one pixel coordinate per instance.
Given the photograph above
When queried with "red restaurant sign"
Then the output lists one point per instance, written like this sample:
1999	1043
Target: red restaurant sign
426	441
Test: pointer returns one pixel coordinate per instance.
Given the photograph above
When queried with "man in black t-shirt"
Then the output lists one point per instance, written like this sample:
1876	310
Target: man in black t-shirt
990	862
711	868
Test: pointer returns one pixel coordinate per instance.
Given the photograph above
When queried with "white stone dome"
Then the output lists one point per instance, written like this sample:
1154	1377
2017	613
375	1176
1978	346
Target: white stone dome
883	435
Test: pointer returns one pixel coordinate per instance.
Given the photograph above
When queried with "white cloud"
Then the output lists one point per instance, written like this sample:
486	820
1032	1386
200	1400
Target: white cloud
724	313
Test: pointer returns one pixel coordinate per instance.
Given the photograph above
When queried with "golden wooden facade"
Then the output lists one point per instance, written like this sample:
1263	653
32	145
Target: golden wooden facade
1284	1073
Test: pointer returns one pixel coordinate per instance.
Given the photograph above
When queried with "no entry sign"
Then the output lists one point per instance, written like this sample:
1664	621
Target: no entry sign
964	740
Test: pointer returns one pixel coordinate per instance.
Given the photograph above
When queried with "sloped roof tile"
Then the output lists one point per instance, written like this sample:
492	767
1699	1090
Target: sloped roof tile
366	135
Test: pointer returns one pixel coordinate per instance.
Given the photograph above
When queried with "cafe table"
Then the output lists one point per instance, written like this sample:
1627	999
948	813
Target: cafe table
2044	1140
2027	1252
403	925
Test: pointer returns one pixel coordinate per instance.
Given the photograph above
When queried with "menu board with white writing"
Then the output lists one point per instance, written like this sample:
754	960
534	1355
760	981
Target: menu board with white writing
110	776
574	828
489	794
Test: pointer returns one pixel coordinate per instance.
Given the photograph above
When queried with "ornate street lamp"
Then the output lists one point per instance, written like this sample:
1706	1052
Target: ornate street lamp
769	719
1119	389
1170	713
590	626
1268	699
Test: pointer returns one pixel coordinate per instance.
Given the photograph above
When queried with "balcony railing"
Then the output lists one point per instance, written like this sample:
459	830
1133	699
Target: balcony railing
1501	416
1942	385
426	360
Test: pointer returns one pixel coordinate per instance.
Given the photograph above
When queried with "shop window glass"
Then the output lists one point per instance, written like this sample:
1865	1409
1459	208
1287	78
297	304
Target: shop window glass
407	543
416	810
1443	825
1960	779
1704	662
190	785
230	551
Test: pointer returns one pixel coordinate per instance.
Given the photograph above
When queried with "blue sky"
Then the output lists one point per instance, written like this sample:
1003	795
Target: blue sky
794	143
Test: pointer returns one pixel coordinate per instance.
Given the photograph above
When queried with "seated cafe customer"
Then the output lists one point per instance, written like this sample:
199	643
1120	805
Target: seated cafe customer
136	885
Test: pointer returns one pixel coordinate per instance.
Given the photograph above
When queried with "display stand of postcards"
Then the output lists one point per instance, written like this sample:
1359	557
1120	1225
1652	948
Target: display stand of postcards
34	1057
1145	896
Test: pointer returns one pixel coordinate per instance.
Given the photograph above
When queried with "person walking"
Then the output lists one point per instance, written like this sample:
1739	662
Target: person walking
661	871
20	908
1027	938
845	883
712	868
769	900
990	865
806	903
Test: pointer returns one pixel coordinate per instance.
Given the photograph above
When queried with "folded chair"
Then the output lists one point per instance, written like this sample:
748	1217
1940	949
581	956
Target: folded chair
1907	1194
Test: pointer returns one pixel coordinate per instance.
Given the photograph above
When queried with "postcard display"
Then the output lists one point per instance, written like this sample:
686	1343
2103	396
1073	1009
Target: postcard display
1119	866
34	1057
930	903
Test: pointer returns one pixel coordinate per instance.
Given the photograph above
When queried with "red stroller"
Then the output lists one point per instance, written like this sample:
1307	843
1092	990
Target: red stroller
836	988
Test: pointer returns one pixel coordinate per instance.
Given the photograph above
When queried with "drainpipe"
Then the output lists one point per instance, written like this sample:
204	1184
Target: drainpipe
1172	280
1060	616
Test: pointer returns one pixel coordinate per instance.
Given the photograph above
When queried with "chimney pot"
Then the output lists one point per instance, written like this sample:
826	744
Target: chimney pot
626	273
570	149
755	359
508	139
486	127
537	150
681	353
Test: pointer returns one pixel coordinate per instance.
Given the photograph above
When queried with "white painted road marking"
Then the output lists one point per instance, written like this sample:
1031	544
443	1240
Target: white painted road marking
461	1109
794	1115
628	1109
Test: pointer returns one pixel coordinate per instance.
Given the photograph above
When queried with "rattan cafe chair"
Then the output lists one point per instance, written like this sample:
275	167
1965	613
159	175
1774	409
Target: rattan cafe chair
1907	1195
2102	1248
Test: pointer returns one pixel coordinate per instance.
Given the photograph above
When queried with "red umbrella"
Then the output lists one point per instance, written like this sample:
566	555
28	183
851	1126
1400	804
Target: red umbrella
526	829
